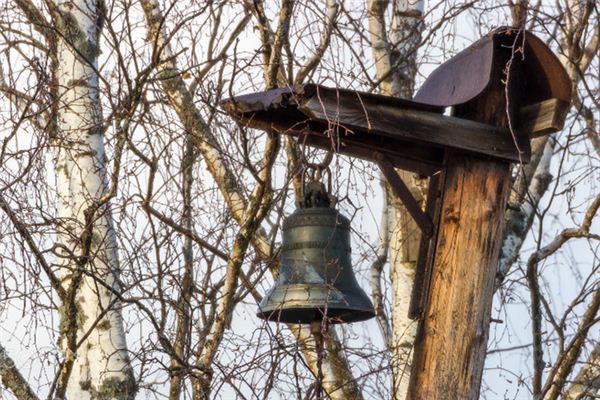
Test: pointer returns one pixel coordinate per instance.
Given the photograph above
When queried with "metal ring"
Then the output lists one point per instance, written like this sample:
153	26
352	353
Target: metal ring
315	166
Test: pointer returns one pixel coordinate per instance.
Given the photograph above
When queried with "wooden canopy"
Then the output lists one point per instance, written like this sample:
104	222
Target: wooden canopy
410	134
414	135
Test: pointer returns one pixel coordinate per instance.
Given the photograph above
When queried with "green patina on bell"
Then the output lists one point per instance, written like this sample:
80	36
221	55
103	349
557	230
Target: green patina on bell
315	279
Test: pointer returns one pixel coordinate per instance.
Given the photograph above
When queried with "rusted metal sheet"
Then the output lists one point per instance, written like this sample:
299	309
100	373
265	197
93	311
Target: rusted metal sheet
545	76
467	74
294	96
461	78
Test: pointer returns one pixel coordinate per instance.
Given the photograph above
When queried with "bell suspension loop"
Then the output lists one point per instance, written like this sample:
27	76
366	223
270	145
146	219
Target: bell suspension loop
313	190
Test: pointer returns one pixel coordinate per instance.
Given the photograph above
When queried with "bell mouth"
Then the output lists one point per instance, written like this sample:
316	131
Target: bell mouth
299	315
306	303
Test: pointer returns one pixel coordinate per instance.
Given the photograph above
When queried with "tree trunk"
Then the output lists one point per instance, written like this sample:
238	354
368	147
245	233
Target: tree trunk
395	62
404	248
92	333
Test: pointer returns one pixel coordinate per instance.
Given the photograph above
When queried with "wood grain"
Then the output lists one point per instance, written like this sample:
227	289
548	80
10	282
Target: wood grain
449	356
421	127
543	118
451	340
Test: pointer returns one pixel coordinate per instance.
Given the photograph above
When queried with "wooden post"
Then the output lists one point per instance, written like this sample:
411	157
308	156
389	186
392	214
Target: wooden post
451	341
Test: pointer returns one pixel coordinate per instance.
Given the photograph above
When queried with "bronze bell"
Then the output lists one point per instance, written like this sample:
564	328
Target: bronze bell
315	279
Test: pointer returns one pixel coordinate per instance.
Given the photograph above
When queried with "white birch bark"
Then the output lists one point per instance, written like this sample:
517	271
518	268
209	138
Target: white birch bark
395	63
519	221
587	381
377	269
404	245
89	263
405	37
381	48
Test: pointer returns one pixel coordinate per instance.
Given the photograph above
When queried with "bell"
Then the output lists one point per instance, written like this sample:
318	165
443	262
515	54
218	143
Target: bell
315	280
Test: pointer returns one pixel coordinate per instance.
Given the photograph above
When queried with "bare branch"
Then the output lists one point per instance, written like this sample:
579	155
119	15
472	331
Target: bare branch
331	14
37	19
222	54
24	232
279	39
555	384
338	386
519	220
12	379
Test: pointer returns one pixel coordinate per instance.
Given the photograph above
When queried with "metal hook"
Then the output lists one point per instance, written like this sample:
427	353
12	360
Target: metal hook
316	166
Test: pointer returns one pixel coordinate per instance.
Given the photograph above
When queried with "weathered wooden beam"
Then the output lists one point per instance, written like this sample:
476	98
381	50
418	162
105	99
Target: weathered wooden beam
423	266
289	121
543	118
404	194
422	127
365	115
450	347
411	158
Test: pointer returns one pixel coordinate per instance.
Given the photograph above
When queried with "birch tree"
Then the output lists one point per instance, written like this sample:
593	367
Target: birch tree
85	274
96	363
395	47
